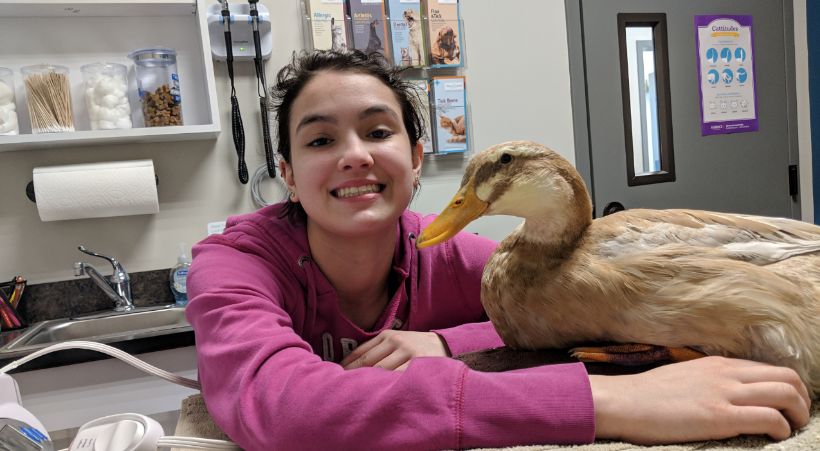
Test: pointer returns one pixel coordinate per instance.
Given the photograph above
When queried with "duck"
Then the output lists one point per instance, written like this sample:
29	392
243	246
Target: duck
692	282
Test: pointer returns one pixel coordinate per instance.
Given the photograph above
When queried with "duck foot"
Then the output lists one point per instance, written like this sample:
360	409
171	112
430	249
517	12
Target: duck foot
634	354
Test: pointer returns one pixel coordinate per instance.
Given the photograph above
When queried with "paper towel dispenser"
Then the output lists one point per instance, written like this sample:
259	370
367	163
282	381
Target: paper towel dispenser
95	190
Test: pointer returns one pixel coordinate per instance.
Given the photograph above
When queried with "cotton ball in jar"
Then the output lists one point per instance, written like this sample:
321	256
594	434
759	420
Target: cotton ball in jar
105	125
8	115
8	123
108	102
93	111
124	122
103	85
7	107
6	94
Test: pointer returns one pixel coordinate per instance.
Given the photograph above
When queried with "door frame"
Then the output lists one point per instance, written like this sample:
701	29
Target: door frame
580	105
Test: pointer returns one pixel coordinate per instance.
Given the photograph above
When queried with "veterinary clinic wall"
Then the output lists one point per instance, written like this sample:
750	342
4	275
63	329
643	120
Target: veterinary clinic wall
517	89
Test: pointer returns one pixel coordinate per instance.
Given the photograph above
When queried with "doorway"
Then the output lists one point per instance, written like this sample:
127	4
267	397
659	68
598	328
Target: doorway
638	109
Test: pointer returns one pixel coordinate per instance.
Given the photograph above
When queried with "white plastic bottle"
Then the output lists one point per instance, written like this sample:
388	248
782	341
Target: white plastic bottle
179	276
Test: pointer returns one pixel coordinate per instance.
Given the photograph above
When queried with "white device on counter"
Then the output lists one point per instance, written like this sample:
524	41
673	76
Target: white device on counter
125	431
241	32
20	430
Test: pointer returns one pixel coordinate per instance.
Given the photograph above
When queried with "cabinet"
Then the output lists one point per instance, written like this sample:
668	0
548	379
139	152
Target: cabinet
72	33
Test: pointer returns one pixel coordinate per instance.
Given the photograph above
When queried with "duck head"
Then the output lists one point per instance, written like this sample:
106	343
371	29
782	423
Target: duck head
517	178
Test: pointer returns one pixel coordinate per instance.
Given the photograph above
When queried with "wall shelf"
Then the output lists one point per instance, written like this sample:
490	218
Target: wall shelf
74	33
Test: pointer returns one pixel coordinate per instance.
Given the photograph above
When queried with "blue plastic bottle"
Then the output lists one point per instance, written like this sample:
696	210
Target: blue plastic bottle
179	276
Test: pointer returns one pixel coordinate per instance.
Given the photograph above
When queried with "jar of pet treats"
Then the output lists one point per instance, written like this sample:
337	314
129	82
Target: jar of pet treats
158	84
106	95
48	96
8	109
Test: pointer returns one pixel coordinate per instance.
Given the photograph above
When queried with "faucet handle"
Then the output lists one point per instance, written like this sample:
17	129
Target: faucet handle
114	263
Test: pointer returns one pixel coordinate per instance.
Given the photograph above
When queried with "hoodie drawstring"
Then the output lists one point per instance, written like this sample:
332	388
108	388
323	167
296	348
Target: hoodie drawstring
312	301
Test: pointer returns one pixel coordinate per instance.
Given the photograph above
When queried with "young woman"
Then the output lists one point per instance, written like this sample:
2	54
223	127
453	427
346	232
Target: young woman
319	325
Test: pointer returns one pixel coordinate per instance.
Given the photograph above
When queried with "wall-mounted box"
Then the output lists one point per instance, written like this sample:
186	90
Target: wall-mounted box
241	32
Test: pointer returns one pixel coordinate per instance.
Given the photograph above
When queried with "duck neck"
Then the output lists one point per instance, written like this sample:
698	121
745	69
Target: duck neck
557	231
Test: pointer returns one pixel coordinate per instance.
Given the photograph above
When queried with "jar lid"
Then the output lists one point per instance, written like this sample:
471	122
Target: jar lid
157	55
43	68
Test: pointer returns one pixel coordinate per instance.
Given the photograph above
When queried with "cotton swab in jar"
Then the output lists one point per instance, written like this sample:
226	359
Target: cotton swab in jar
49	99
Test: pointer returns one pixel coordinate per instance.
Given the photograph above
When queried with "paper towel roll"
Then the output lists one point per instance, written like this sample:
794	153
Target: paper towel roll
96	190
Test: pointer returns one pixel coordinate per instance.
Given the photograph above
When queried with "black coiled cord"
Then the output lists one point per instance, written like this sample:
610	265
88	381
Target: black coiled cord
236	118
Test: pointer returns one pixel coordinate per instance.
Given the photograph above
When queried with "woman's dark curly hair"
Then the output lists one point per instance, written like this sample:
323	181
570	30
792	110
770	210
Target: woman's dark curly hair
292	78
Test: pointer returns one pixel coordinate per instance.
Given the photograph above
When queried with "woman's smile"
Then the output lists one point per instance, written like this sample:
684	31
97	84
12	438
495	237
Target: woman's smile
368	191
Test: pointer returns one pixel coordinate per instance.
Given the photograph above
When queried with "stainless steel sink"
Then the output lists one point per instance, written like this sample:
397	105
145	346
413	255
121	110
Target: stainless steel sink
107	327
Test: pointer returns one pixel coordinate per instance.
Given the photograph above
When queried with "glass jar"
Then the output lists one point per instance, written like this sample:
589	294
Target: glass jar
158	84
48	96
8	109
106	95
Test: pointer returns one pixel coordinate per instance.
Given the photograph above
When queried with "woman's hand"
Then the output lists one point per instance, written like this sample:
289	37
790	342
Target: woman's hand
393	349
702	399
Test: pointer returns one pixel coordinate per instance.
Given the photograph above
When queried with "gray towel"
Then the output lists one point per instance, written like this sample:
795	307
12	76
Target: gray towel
195	421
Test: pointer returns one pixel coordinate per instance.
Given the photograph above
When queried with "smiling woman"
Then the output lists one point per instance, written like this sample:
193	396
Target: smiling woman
320	325
352	166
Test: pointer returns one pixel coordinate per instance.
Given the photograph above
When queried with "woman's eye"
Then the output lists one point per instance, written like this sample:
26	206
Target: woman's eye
381	134
318	142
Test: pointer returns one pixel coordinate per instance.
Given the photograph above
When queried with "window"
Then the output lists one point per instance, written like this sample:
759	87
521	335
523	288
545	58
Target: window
645	90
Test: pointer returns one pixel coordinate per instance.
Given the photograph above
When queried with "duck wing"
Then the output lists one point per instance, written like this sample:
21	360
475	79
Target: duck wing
755	239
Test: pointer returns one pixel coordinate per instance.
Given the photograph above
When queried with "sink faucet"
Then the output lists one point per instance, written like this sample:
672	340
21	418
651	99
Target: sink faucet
117	286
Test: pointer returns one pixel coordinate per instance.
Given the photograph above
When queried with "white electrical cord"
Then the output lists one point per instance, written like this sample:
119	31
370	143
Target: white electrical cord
113	352
257	178
162	442
196	443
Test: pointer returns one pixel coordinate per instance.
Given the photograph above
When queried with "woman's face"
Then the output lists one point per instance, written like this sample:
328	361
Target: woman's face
351	164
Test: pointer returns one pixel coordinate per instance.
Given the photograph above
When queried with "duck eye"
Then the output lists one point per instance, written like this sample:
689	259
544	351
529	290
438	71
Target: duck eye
505	158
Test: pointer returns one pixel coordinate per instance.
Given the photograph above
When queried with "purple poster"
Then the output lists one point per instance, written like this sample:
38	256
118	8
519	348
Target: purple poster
726	74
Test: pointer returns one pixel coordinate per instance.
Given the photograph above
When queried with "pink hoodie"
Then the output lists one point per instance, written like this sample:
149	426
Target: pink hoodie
269	334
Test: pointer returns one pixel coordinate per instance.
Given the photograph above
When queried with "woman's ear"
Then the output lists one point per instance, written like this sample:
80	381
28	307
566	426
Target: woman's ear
418	159
287	176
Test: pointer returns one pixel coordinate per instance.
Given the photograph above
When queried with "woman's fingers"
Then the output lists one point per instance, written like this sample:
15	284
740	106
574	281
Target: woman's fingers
407	344
768	373
780	396
393	361
368	353
757	420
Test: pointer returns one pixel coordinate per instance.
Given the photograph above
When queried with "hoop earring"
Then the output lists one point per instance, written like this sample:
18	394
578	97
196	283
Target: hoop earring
416	182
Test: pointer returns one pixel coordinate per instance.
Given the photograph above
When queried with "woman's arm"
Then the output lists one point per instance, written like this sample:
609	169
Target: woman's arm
267	390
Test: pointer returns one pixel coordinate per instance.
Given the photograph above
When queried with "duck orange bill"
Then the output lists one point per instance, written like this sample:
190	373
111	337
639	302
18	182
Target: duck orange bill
462	210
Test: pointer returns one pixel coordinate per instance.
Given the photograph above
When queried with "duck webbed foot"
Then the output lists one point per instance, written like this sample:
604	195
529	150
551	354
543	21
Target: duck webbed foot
634	354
